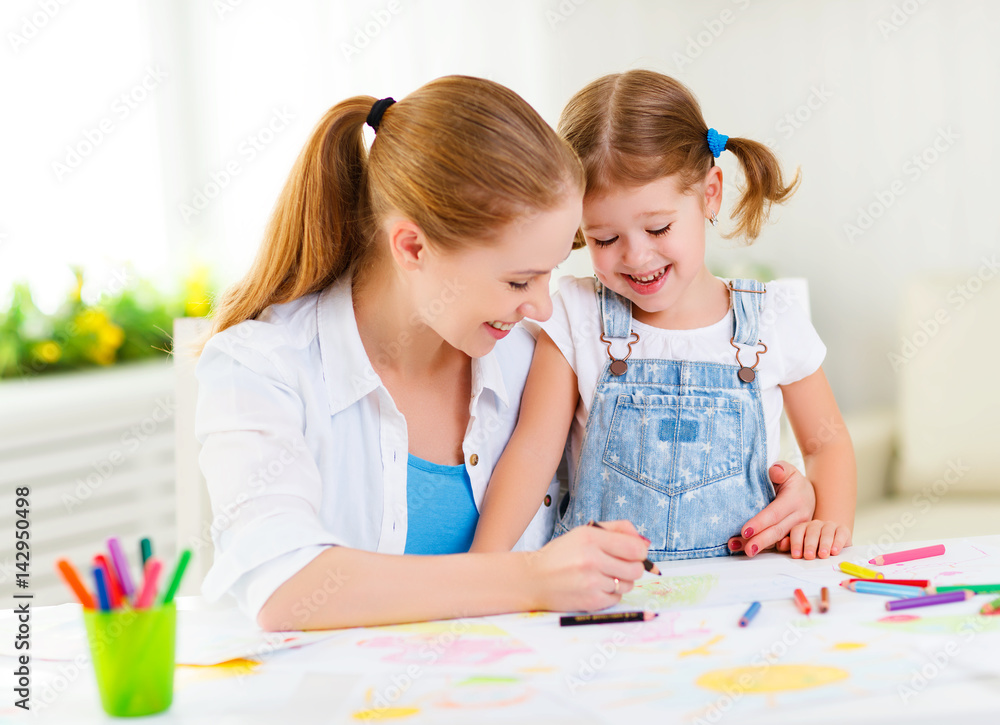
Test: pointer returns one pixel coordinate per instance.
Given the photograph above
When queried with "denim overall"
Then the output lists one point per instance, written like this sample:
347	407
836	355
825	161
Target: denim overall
676	447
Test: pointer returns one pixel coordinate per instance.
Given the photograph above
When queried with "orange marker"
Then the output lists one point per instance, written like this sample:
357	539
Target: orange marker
802	602
70	576
824	600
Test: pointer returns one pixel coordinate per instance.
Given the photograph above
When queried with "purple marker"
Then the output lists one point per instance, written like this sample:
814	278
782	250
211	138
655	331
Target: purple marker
946	598
121	565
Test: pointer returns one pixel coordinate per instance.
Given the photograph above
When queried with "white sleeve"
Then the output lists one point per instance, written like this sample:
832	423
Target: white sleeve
802	349
263	481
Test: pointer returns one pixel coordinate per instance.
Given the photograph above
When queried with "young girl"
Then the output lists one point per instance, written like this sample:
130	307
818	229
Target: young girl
351	403
669	380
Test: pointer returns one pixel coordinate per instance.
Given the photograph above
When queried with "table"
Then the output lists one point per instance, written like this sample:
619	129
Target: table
857	663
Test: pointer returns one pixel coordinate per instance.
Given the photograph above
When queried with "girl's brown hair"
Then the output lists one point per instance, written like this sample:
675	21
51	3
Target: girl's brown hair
636	127
461	157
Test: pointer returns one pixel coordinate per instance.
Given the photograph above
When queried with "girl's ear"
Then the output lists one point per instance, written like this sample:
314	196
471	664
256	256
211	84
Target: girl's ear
407	244
713	191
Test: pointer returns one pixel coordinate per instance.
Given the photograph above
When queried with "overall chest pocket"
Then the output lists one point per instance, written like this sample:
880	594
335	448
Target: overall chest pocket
675	443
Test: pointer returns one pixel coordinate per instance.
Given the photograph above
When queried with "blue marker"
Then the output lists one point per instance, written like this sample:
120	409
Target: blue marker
103	599
749	614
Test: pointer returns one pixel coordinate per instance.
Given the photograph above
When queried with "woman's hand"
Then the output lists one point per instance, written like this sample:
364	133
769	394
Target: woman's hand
578	571
793	505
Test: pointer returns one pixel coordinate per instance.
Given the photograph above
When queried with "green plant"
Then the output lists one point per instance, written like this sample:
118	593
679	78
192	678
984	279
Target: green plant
133	323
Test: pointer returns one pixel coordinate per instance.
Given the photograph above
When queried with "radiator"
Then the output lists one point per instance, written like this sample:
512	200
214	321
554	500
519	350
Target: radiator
96	450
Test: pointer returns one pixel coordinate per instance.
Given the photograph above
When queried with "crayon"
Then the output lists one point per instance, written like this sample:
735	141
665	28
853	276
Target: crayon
71	578
148	591
574	620
824	600
749	614
647	564
922	583
909	555
102	589
991	608
977	588
886	590
859	571
175	580
929	600
802	602
120	562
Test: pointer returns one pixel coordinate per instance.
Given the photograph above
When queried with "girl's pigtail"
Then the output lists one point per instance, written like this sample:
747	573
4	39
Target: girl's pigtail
318	230
764	186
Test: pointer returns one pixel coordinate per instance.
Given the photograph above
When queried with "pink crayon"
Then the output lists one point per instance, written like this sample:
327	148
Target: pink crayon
909	555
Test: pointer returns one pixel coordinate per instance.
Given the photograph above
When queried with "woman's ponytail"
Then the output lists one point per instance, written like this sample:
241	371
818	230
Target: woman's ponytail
317	231
764	186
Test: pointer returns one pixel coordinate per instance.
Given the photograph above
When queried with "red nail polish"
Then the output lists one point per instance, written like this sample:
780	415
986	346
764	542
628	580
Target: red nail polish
736	545
753	549
748	533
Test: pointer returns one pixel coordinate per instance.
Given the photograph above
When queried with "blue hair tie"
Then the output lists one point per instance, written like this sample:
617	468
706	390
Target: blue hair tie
716	142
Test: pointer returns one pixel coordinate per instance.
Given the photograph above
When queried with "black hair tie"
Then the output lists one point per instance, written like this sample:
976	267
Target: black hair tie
378	108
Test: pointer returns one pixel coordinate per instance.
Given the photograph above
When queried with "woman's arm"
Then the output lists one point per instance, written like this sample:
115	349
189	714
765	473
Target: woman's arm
829	459
345	587
532	455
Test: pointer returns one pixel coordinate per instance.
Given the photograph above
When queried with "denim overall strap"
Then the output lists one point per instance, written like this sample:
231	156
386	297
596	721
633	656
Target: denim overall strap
616	313
747	297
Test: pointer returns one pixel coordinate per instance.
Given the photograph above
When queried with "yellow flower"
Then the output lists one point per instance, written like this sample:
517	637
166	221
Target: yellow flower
107	336
197	293
47	352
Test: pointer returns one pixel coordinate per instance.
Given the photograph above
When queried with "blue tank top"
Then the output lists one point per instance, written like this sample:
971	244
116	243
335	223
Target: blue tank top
440	510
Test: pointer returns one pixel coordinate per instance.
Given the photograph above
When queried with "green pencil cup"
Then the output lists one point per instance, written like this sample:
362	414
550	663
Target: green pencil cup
133	656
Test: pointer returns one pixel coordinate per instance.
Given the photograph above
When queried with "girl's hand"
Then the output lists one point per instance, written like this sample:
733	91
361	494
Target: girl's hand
577	571
819	538
794	503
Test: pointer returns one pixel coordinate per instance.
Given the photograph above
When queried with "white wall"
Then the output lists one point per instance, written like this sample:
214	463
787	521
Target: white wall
885	81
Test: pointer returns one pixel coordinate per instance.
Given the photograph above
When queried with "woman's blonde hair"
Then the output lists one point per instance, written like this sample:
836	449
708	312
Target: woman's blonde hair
636	127
461	157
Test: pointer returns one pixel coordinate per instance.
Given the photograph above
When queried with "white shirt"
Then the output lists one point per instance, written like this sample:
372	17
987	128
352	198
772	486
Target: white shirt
794	349
303	448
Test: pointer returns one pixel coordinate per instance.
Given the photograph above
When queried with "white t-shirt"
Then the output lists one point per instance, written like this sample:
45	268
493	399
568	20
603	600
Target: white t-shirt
304	448
794	350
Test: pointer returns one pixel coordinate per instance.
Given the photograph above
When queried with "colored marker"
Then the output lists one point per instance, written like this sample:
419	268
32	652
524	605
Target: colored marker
977	588
175	580
71	578
929	600
802	602
991	608
152	574
824	600
908	555
102	589
120	561
115	592
886	590
575	620
922	583
145	550
649	566
749	614
859	571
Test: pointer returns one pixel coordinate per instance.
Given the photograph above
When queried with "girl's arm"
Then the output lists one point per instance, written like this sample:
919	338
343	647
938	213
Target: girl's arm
532	455
345	587
829	459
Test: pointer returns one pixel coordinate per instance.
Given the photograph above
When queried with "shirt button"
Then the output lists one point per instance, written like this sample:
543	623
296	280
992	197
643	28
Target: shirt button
474	459
548	500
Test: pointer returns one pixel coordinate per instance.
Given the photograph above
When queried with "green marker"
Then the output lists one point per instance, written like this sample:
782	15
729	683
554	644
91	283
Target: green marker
175	580
146	550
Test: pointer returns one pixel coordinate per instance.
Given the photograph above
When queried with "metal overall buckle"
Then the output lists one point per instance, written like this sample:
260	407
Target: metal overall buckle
619	367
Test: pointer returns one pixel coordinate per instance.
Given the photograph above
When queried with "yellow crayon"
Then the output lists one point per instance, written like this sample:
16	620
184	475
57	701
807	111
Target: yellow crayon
859	571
